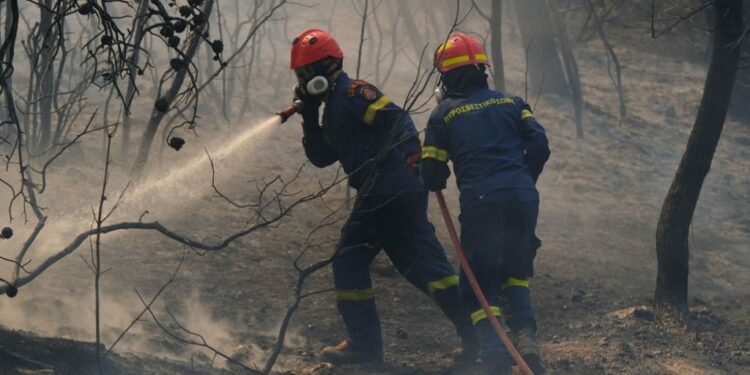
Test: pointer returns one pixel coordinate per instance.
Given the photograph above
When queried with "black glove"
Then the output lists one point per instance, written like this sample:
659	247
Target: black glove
310	105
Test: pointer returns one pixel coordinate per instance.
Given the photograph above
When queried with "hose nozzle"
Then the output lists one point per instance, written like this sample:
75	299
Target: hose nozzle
285	114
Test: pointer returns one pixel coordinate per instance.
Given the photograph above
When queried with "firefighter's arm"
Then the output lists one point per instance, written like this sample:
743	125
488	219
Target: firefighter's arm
434	167
534	140
317	146
379	113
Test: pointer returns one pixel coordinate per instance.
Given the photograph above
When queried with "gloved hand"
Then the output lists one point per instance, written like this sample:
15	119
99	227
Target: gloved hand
310	105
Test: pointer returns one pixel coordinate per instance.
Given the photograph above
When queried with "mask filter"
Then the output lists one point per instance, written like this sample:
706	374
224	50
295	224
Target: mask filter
439	94
317	85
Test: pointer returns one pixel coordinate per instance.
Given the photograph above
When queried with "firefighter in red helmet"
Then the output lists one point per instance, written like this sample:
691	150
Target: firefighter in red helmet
498	150
377	145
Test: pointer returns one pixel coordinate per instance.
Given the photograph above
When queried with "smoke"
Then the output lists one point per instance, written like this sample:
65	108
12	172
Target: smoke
72	316
66	308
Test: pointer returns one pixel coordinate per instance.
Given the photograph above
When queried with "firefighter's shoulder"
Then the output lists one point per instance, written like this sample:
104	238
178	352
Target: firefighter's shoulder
437	117
363	90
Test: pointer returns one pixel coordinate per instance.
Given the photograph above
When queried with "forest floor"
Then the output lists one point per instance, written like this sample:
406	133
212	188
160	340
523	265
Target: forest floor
601	197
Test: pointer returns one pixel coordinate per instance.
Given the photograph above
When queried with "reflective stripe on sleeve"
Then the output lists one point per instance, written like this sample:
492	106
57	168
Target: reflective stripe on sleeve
354	294
480	315
432	152
373	109
441	284
526	114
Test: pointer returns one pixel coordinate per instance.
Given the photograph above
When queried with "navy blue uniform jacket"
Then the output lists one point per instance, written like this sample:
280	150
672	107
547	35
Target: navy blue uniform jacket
493	140
370	135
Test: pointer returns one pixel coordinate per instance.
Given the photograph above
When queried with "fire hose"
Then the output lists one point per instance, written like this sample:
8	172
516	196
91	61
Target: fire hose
496	325
464	263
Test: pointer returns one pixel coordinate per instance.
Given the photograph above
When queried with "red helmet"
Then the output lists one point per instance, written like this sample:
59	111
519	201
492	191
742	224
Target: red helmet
459	50
313	45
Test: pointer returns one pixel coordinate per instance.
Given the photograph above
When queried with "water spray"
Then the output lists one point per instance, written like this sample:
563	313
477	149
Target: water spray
288	112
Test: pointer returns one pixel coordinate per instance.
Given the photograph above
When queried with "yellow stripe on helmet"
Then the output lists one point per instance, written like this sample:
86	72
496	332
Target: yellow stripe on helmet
454	60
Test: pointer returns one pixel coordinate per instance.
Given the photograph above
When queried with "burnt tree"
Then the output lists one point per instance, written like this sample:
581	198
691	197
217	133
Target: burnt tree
679	205
741	93
571	66
166	99
545	70
496	44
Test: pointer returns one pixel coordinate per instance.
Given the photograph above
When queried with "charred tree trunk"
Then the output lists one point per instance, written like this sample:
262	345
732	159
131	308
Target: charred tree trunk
614	61
496	44
571	67
545	71
741	94
412	31
140	30
677	212
47	77
169	96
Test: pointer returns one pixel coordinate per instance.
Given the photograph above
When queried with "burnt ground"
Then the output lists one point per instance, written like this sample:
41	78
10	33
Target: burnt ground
595	272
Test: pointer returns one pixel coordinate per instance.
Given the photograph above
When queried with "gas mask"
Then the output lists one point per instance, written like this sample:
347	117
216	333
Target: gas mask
315	79
317	85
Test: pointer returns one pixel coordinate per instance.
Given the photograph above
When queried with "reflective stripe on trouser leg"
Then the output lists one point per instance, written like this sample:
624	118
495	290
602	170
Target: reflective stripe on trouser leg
512	281
516	298
444	283
480	314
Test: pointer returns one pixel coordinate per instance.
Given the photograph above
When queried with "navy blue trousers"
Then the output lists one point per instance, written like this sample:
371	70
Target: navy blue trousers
498	235
398	224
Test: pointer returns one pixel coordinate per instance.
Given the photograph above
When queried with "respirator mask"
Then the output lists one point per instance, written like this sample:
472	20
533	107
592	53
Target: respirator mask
439	93
315	79
317	85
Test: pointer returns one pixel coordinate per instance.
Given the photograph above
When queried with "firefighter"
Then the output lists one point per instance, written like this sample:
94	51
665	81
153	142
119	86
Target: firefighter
377	145
498	150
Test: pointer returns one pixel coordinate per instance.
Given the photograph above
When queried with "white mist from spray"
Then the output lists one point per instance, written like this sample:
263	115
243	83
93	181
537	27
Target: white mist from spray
165	195
176	177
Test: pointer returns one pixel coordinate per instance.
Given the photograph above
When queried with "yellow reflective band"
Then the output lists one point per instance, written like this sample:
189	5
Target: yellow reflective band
454	60
516	282
461	59
432	152
479	315
354	295
374	108
443	283
526	114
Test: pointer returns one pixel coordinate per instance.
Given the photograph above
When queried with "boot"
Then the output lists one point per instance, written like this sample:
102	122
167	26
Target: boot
529	349
343	353
449	301
469	351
